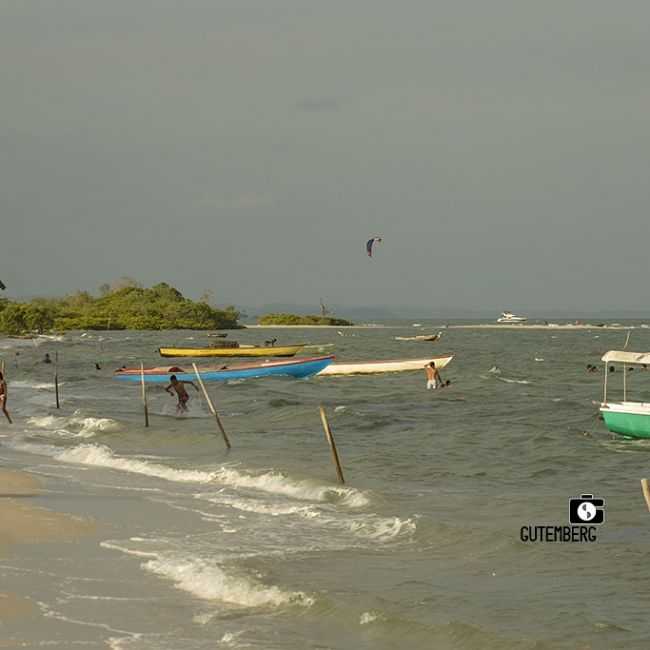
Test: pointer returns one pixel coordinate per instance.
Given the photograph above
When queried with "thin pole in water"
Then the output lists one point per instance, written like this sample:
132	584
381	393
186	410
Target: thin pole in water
144	395
211	406
332	443
627	340
646	491
56	378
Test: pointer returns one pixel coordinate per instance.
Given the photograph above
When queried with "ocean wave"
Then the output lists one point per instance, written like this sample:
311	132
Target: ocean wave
277	483
271	482
102	456
75	426
382	529
208	581
35	385
513	381
250	505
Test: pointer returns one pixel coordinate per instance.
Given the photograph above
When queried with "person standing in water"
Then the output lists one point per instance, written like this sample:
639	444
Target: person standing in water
178	387
434	380
3	397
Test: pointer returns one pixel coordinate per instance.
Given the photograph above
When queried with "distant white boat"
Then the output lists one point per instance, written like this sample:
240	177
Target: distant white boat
509	317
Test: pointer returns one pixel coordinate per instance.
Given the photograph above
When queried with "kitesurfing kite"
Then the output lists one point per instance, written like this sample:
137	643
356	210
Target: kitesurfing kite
370	243
2	286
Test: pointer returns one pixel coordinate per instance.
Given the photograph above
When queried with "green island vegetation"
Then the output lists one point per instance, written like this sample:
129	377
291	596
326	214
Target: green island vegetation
295	319
124	305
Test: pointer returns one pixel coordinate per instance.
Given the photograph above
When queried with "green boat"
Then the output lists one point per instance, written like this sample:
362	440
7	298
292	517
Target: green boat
630	419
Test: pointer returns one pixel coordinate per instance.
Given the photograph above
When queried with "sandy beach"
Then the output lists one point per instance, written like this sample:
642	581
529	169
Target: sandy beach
24	523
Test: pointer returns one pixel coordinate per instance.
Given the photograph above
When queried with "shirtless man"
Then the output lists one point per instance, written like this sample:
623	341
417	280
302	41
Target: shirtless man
3	397
434	380
179	388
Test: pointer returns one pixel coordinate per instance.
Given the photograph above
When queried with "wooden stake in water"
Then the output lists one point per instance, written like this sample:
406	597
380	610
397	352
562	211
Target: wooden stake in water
646	491
144	396
211	407
56	379
330	439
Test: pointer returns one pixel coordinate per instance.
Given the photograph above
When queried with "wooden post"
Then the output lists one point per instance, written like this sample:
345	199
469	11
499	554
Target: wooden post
2	367
627	340
646	491
56	378
144	396
211	406
330	439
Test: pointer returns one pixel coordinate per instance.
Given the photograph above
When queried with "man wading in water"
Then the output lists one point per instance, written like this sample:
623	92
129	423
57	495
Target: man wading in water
179	388
3	397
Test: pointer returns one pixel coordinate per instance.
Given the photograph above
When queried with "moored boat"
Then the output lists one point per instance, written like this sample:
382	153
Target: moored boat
631	419
239	351
509	317
299	368
389	365
422	337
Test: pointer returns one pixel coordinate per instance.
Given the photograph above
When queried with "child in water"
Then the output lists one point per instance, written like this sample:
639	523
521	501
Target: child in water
179	388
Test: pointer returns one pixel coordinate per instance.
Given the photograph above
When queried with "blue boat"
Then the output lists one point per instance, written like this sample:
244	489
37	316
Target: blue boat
298	368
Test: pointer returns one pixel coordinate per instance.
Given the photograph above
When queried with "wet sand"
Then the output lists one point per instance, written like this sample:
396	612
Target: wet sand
22	522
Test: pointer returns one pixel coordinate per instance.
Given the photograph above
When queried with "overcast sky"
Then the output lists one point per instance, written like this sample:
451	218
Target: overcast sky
500	148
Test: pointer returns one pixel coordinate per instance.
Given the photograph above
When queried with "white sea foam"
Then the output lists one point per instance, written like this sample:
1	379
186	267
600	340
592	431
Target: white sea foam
209	581
75	426
34	385
271	482
513	381
102	456
368	617
382	529
250	505
277	483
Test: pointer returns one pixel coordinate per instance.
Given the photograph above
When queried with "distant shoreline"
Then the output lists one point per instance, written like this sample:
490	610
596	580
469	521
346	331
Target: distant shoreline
326	327
523	326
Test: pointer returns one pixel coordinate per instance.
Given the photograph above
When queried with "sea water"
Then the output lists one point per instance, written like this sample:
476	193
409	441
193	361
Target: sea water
259	547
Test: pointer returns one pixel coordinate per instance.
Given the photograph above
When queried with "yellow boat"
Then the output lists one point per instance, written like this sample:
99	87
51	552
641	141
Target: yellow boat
241	351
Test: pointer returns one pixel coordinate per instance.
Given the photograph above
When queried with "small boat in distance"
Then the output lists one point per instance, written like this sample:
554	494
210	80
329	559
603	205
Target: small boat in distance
375	367
509	317
299	368
423	337
233	351
631	419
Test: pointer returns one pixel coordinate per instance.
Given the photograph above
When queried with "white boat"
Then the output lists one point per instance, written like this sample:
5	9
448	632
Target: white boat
375	367
509	317
630	419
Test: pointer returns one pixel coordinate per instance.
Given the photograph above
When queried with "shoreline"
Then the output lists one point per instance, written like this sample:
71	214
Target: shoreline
552	327
326	327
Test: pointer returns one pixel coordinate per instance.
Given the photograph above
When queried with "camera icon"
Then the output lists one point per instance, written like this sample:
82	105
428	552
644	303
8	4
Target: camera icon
586	510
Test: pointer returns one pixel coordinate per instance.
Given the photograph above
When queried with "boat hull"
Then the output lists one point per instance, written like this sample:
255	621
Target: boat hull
298	368
243	351
378	367
627	419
